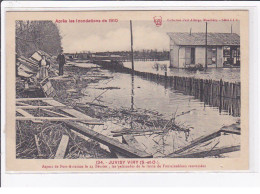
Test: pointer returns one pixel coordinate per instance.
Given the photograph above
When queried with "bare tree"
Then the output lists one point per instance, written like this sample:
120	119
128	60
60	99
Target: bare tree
37	35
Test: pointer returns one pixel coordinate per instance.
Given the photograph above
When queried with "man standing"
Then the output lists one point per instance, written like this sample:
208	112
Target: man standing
61	61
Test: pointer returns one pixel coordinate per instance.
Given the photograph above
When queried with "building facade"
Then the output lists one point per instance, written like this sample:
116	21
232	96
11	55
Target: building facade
189	49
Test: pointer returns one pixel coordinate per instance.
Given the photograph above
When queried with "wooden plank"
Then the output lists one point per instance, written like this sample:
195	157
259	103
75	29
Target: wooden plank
232	131
38	145
35	107
22	104
199	141
40	107
70	111
204	154
32	99
131	141
116	154
111	143
54	113
26	114
91	122
62	147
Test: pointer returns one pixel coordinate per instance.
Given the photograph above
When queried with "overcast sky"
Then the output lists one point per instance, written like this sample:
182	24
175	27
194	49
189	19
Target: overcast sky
94	37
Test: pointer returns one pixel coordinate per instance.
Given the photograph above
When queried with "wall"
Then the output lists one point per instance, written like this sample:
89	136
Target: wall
174	54
182	57
200	55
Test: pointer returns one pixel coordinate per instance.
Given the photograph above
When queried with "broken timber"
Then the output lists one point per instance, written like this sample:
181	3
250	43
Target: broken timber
26	114
131	141
213	152
120	149
206	138
92	121
113	144
52	104
62	147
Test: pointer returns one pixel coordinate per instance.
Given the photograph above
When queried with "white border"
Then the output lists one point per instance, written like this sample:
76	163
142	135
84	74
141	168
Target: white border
251	178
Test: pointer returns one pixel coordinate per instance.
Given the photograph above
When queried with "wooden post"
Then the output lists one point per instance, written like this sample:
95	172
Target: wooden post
220	94
132	51
206	49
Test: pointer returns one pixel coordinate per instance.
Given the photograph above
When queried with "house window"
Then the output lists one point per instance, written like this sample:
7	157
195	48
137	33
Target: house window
192	55
211	55
231	55
189	55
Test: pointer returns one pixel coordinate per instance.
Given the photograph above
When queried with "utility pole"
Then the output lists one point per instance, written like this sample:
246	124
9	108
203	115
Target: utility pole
206	47
132	51
133	68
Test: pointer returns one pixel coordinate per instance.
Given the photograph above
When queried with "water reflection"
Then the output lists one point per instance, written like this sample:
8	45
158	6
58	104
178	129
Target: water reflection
135	92
132	97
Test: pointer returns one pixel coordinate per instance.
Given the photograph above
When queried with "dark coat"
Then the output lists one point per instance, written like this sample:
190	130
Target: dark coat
61	59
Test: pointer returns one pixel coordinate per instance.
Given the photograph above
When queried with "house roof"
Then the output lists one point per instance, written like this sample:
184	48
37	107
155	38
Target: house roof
219	39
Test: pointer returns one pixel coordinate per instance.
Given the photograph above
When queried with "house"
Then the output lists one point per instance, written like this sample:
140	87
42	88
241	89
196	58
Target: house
187	49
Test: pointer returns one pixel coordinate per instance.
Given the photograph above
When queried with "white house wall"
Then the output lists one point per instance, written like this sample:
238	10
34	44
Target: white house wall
182	57
200	55
174	60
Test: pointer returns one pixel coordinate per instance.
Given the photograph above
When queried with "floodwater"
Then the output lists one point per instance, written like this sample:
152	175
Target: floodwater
134	92
160	67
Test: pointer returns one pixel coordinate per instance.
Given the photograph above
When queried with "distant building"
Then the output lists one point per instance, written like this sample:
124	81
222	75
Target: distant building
187	49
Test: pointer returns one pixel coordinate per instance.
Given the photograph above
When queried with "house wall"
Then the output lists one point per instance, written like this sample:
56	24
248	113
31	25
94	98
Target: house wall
182	57
177	56
220	59
200	55
174	59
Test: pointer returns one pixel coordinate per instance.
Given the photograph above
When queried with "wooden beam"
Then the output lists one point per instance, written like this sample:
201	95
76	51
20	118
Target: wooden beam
32	99
91	122
39	107
38	145
22	104
69	111
62	147
131	141
111	143
231	131
52	113
204	154
198	141
26	115
116	154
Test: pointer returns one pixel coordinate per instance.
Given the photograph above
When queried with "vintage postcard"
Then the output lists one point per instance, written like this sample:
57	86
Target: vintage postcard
127	91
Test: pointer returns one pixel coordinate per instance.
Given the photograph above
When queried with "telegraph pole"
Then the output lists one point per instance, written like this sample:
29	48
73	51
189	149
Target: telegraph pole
206	47
132	51
133	68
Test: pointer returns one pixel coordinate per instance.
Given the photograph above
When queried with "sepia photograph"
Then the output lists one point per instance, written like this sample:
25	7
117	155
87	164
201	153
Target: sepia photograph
127	91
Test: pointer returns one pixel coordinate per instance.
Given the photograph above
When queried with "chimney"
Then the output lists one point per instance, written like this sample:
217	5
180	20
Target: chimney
231	28
190	31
